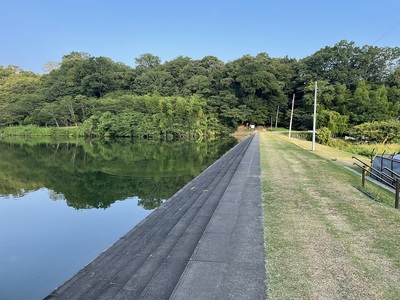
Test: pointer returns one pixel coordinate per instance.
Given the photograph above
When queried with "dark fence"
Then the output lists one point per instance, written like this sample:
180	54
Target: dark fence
385	164
385	169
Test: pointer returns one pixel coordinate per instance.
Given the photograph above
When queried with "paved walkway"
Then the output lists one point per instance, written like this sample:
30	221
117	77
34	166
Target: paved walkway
206	242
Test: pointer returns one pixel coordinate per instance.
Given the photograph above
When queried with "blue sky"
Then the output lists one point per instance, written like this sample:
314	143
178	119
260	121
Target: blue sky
37	31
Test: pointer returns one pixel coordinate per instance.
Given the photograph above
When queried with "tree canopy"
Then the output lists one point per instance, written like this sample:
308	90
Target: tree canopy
205	96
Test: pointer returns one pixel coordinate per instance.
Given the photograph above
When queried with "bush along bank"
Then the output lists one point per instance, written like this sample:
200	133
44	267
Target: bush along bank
32	130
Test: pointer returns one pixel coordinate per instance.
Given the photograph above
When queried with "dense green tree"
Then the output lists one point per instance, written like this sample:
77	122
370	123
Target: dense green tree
393	90
154	81
147	61
206	95
141	116
175	67
388	131
19	94
252	80
347	63
341	96
198	84
367	105
336	123
334	64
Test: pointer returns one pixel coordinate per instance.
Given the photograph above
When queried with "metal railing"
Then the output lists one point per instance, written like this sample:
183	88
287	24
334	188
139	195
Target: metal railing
385	163
392	180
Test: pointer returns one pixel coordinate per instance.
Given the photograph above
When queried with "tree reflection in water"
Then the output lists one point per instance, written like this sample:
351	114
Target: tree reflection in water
96	173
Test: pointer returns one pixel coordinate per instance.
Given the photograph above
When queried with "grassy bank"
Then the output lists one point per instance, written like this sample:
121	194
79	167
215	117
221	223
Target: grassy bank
357	148
31	130
324	238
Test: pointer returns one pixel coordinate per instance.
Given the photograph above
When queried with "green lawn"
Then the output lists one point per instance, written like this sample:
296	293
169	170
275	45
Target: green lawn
325	239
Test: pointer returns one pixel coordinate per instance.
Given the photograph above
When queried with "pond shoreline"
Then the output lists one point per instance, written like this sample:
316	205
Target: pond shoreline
209	232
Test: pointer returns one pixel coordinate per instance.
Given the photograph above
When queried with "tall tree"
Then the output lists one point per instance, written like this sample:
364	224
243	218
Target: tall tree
154	81
147	61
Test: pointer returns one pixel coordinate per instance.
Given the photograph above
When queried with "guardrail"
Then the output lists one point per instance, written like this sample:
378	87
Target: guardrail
391	181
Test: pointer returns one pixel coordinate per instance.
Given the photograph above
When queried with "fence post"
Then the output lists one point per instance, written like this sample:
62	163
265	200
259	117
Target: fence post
396	198
391	162
363	177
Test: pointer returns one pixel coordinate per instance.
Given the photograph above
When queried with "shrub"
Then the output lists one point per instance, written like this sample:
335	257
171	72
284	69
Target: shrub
378	131
324	136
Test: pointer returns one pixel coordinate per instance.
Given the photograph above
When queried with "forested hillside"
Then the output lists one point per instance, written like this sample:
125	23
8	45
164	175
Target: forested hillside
206	96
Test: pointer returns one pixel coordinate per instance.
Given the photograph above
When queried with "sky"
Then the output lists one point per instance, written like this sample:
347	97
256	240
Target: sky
34	32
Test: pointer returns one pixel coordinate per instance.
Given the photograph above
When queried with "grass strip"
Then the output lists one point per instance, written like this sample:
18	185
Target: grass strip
31	130
324	238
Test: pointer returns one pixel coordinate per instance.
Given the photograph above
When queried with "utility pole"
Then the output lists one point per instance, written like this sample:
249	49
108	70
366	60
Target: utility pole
291	117
276	120
315	117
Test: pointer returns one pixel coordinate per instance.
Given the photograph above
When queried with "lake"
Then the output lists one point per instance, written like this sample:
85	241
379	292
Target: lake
64	202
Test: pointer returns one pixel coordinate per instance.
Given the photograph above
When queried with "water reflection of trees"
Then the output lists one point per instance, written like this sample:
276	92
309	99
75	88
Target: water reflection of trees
95	174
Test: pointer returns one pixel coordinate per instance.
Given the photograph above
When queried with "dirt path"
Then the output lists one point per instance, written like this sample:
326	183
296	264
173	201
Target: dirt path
324	239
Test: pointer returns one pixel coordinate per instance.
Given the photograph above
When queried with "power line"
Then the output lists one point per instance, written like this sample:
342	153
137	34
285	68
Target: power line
386	33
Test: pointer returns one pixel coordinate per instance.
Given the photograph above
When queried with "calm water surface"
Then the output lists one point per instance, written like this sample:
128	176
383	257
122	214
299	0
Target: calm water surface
63	203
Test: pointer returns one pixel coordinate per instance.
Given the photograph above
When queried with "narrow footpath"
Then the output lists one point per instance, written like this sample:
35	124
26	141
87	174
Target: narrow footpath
206	242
